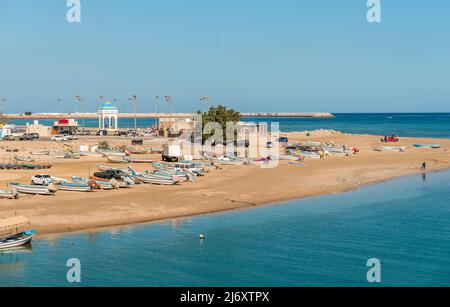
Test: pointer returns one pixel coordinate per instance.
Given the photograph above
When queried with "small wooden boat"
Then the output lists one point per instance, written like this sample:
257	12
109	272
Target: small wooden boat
138	160
15	232
116	159
34	189
24	158
74	187
5	194
434	146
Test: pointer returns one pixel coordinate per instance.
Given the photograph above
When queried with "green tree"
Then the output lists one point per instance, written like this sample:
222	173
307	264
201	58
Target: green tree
221	115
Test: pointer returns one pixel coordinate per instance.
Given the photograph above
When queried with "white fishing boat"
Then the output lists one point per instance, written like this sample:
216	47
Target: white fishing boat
110	153
6	194
34	189
40	152
24	158
389	149
104	185
74	187
137	160
117	159
159	180
15	232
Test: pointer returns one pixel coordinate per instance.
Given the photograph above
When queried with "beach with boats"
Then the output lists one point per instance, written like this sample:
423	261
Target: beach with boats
77	186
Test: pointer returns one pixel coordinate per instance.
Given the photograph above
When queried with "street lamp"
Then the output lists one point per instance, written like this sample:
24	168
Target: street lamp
156	102
206	100
2	102
169	100
60	102
133	101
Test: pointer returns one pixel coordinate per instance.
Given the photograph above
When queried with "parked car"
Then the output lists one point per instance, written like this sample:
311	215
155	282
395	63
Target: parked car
283	140
390	139
9	138
41	180
120	133
27	137
111	174
269	145
102	133
60	138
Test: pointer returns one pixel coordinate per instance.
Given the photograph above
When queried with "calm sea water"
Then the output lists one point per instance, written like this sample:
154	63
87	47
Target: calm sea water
322	241
415	124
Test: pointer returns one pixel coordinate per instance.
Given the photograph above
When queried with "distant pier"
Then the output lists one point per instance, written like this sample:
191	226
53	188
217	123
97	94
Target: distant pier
162	115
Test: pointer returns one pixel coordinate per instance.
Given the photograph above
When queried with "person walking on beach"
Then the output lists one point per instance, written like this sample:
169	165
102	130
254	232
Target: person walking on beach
424	166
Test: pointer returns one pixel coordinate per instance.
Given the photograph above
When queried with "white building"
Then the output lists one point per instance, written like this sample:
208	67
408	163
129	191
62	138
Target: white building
108	117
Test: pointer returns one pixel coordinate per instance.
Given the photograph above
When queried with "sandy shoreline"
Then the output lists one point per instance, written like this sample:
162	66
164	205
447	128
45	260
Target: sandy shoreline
233	187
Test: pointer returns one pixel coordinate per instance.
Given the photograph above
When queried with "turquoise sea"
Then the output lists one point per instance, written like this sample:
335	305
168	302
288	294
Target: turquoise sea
404	124
320	241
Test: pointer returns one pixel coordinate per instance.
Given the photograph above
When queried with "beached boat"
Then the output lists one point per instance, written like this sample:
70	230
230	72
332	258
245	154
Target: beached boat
104	185
40	153
25	166
434	146
8	194
228	161
74	187
159	180
116	159
34	189
24	159
110	153
15	232
137	160
389	149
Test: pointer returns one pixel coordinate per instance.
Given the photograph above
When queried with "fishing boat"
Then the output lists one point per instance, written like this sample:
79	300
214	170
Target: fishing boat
15	232
389	149
74	187
40	153
104	185
228	161
5	194
434	146
34	189
24	158
110	153
137	160
152	179
117	159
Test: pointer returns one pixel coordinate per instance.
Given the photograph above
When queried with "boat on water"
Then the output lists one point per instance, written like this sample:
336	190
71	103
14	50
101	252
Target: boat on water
15	232
117	159
434	146
74	187
6	194
104	185
389	149
24	159
34	189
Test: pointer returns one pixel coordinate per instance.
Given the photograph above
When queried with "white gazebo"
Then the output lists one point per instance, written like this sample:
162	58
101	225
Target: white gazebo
108	117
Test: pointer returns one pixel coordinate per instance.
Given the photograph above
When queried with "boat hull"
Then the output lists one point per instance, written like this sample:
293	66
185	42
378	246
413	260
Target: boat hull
8	244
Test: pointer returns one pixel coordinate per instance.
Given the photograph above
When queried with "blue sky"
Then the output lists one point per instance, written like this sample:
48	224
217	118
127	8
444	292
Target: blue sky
285	55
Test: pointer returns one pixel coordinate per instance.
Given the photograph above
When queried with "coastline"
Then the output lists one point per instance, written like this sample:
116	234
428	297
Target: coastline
234	187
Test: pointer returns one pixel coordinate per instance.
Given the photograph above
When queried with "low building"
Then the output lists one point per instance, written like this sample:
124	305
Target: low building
174	127
5	130
43	131
108	117
65	125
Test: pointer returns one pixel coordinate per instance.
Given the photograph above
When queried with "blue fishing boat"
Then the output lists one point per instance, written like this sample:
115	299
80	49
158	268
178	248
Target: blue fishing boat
15	232
434	146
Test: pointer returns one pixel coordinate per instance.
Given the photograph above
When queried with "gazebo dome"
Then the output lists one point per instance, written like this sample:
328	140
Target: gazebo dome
108	105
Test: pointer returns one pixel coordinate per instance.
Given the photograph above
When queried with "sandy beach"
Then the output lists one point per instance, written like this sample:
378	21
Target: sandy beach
229	188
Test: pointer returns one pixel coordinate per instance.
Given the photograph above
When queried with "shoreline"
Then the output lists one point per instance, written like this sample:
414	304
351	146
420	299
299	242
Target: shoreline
229	210
229	189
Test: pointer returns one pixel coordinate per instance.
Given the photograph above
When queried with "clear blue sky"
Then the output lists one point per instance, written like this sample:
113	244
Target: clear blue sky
253	55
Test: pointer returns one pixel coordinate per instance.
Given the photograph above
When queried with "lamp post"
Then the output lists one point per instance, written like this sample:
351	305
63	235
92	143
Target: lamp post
156	103
2	102
133	101
169	100
60	102
100	100
206	100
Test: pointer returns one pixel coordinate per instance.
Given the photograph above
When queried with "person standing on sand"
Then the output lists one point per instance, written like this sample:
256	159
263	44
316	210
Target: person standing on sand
424	166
